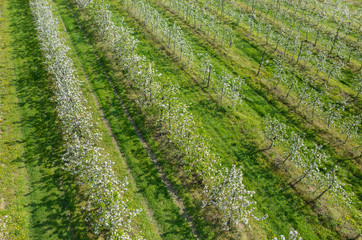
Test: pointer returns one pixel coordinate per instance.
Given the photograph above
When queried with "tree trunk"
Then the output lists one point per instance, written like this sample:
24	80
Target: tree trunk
261	63
348	133
223	36
329	121
271	144
276	48
317	37
285	48
300	51
322	193
300	178
330	74
208	79
358	93
334	41
290	89
231	42
231	211
301	100
285	159
313	110
276	84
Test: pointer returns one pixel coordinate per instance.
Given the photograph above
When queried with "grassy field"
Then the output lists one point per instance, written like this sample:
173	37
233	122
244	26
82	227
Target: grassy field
214	125
41	200
14	183
35	196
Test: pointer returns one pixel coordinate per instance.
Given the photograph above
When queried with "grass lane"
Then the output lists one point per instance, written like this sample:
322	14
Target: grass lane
50	196
14	182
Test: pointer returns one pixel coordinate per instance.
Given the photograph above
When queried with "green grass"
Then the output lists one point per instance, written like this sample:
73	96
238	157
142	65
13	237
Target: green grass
261	101
258	103
143	223
50	206
244	60
224	130
44	202
49	196
14	183
171	224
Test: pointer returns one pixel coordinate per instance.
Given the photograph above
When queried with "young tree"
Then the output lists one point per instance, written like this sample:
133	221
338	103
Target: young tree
335	40
316	101
268	34
295	46
341	49
303	93
295	149
343	19
274	131
354	49
224	80
319	62
290	82
240	15
279	74
164	105
351	126
229	195
206	69
261	63
301	49
231	37
311	165
329	182
280	39
335	70
150	87
317	35
235	89
333	112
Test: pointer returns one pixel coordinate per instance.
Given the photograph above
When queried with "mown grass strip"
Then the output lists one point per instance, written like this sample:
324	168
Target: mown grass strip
50	199
14	182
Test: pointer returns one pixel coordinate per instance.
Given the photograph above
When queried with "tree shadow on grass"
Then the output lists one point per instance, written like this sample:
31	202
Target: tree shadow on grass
52	196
